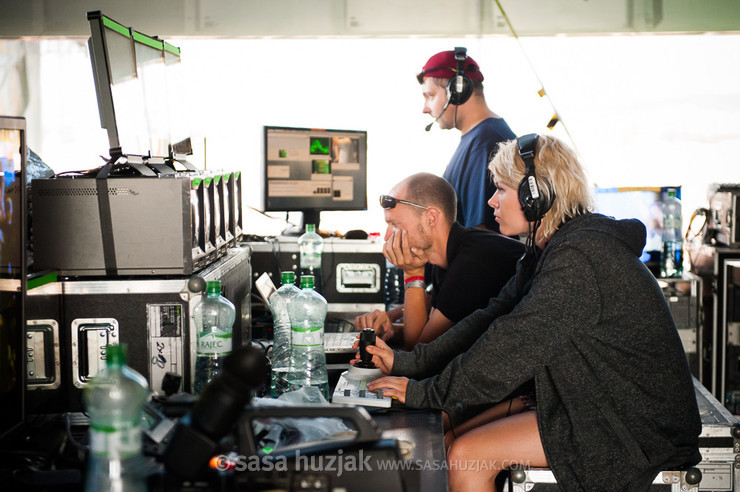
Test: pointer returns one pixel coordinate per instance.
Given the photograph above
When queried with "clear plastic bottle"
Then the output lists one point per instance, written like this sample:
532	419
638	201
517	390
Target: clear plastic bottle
214	317
311	246
671	261
114	401
280	359
307	312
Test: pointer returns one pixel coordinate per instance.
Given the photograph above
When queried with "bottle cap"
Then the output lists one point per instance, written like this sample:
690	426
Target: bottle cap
287	277
213	287
307	282
115	355
310	227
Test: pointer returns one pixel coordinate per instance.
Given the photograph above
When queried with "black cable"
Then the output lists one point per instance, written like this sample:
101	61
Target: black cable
329	276
701	232
265	348
276	269
257	296
530	245
273	218
68	427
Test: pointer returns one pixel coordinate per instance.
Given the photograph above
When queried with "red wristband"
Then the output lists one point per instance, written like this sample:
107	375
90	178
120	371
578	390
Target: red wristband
412	279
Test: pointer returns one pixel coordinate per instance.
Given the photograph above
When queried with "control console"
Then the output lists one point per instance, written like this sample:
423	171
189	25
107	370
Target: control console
352	385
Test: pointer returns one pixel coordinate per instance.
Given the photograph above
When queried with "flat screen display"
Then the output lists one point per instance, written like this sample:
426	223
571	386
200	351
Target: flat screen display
139	88
313	170
642	203
12	270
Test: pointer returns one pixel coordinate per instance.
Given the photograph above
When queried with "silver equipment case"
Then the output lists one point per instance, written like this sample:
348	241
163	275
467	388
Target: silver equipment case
118	226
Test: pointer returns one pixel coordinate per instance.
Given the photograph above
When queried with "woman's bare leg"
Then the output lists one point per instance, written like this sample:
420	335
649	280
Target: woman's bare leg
498	411
476	458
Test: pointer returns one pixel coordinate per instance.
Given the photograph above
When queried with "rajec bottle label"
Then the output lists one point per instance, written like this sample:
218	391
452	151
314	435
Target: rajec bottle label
211	343
115	441
307	337
310	260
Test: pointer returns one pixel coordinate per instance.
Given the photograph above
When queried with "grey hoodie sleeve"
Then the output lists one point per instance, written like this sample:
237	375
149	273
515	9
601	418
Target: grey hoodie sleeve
428	359
564	296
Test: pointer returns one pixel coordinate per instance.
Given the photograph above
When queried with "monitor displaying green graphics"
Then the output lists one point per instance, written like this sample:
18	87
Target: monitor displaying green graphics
320	146
311	170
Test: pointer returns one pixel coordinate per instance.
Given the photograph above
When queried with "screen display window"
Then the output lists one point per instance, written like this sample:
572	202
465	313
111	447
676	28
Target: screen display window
140	91
315	170
12	270
642	203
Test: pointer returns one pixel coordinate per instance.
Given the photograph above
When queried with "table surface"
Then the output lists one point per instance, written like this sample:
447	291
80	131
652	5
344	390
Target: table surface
422	432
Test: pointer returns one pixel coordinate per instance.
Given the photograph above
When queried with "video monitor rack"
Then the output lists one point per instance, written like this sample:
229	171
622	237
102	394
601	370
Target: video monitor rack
147	211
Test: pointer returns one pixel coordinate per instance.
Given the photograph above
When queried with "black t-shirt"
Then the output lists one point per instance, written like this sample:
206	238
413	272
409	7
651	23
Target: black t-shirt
479	263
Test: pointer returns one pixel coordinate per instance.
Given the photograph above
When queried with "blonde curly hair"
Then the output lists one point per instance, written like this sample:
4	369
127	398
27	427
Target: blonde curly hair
558	172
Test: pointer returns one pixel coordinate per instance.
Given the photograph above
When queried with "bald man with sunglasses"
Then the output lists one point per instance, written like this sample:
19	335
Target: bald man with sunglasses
468	265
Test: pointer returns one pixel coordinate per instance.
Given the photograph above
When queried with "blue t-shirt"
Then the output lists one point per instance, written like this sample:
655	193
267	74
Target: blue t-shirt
468	171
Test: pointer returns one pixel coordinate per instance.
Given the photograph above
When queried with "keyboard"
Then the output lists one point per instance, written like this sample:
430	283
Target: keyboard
354	392
340	342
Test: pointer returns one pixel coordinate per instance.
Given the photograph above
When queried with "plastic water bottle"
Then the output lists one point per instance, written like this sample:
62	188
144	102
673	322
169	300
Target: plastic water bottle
280	359
214	317
114	401
307	312
671	261
310	246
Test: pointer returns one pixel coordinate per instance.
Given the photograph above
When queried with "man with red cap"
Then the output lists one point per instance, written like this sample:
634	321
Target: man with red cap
451	83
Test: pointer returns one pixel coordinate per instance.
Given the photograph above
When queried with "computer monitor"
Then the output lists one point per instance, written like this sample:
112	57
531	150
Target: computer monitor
139	88
12	271
312	170
643	203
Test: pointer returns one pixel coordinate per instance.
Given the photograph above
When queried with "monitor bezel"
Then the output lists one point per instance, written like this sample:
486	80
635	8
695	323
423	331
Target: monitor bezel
659	192
7	426
353	205
100	26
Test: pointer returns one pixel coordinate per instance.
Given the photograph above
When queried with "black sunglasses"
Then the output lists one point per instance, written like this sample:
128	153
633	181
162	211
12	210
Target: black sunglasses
388	202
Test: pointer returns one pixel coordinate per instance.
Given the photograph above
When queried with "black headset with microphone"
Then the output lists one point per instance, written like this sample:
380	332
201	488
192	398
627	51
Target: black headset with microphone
459	86
444	108
534	202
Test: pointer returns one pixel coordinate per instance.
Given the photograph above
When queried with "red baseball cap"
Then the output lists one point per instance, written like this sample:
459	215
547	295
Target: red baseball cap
444	66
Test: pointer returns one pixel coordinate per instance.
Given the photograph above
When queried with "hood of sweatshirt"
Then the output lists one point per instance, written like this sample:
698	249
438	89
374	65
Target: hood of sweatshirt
630	232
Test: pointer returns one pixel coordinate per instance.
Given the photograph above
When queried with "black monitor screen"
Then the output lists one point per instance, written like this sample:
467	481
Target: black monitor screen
312	170
12	270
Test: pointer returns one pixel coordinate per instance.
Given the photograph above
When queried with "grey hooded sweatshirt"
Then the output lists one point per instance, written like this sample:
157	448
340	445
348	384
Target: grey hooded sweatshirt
589	323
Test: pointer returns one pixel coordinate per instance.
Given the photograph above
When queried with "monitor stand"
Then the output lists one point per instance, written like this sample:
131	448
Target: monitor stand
309	217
